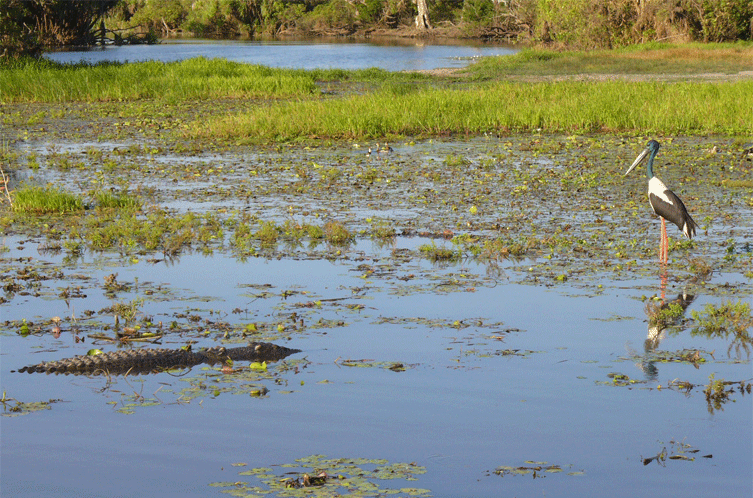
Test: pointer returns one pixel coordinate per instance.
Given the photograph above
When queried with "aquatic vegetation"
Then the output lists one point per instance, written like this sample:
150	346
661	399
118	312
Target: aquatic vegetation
679	450
267	233
662	315
156	230
382	230
436	253
728	319
620	379
529	218
320	476
536	469
336	234
112	200
718	392
24	407
45	200
126	311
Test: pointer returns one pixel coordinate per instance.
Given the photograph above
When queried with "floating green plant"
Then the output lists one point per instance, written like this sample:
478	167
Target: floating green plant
678	450
536	469
320	476
23	407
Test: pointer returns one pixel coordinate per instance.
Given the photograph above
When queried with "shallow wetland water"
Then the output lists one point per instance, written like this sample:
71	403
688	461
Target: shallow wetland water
481	331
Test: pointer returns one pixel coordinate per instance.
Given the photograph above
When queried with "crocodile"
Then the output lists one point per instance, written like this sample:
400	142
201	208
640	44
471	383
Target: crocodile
138	361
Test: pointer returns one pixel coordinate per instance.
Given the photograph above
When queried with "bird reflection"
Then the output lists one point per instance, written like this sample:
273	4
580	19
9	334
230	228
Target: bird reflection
658	322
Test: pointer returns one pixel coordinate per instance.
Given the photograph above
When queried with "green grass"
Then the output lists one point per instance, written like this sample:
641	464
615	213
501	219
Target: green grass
653	58
567	106
109	200
199	78
40	200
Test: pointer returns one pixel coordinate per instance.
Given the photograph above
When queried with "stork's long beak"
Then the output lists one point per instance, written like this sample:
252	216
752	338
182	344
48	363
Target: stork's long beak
638	160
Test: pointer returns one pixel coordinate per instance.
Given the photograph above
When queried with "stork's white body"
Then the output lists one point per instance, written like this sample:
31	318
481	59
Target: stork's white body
663	201
666	204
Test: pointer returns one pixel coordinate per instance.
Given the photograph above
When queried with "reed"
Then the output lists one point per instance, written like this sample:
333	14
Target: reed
198	78
567	106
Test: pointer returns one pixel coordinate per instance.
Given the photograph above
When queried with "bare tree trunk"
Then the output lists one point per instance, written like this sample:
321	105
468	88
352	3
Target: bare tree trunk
422	19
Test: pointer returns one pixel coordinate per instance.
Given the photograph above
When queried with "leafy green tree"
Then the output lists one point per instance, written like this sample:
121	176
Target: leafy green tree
721	20
16	37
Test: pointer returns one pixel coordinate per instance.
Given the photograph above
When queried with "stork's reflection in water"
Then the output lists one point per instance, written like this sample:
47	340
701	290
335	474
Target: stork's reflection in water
661	316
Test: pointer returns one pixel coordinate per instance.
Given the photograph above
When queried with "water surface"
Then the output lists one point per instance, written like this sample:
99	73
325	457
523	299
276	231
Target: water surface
404	56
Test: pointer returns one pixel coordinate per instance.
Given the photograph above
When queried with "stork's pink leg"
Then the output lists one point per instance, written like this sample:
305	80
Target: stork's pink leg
664	252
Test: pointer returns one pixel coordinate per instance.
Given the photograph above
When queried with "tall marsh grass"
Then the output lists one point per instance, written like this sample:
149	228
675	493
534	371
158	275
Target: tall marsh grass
198	78
566	106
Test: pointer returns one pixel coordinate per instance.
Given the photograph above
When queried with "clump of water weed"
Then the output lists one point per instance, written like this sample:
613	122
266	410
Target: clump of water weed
267	233
729	318
45	200
383	230
127	311
435	253
111	200
662	314
701	268
719	391
335	233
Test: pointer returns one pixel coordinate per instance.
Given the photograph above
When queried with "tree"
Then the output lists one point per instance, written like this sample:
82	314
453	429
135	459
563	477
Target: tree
28	24
422	19
15	37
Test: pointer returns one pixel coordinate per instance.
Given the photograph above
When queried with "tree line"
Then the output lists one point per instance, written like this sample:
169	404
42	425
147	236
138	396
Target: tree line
29	25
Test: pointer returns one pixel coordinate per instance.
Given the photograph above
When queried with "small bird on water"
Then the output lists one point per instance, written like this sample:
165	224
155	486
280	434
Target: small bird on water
663	201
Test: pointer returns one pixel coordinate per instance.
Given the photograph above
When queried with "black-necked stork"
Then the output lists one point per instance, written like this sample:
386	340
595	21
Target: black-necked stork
663	201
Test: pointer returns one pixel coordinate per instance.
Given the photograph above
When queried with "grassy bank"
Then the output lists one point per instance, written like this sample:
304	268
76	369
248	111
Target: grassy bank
568	106
372	103
191	79
199	78
649	59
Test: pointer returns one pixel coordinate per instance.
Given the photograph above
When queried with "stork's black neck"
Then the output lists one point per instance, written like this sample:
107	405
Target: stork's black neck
654	146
